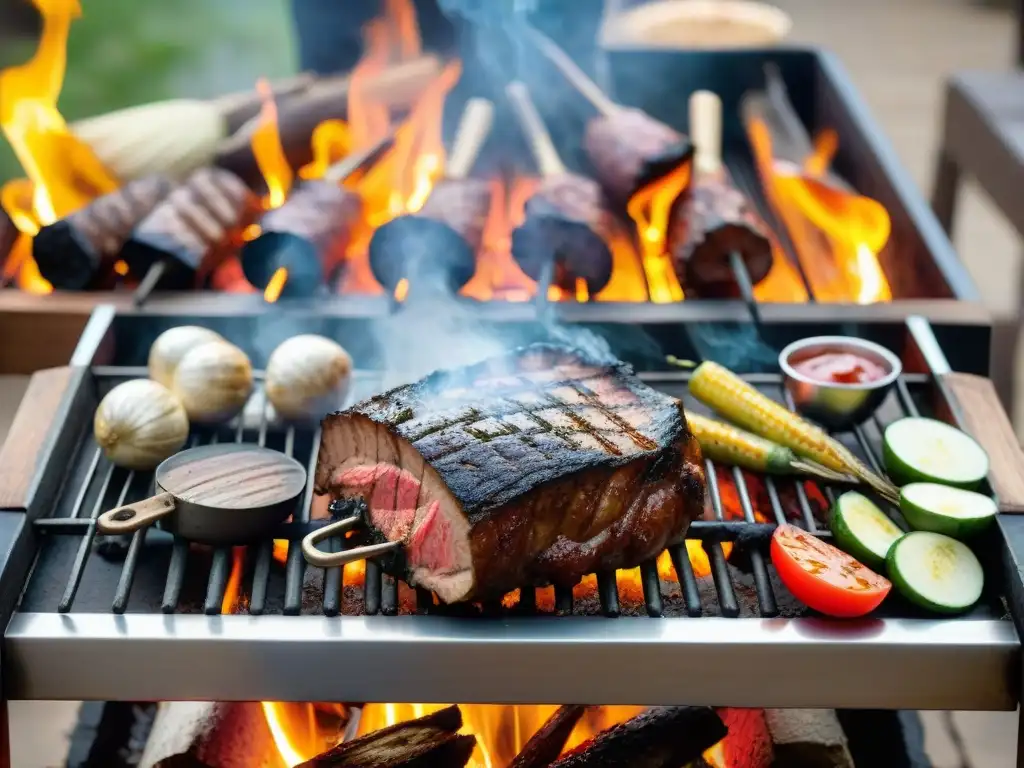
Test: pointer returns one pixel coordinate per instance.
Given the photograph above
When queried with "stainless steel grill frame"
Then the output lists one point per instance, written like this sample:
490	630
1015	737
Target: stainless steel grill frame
116	652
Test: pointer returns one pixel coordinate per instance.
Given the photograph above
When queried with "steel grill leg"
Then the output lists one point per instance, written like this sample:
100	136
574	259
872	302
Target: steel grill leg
220	569
608	591
719	566
687	579
652	589
389	595
762	584
372	588
563	601
260	577
175	576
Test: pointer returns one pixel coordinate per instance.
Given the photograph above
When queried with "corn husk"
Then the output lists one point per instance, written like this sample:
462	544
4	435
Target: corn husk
167	137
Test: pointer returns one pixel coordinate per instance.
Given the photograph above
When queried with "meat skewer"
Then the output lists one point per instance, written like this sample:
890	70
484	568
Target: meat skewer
75	251
484	479
310	231
564	237
198	220
437	246
714	234
628	148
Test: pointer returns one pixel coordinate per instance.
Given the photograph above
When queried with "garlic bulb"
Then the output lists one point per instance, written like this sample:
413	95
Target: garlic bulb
308	377
213	381
139	424
171	345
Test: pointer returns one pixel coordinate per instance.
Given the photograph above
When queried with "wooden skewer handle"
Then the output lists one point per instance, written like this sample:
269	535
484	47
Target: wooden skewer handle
537	135
576	76
474	127
706	131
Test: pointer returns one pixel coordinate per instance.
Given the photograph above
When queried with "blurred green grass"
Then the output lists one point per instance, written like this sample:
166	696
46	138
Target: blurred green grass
126	52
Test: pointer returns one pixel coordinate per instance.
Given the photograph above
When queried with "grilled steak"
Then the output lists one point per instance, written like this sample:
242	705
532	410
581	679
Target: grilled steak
535	467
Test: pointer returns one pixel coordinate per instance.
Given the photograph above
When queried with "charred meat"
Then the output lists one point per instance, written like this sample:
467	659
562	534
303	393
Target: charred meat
539	466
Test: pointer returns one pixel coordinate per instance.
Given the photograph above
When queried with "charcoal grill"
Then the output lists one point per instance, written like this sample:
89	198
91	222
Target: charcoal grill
140	619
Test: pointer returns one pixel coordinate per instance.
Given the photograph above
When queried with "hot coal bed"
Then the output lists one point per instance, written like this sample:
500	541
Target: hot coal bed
705	626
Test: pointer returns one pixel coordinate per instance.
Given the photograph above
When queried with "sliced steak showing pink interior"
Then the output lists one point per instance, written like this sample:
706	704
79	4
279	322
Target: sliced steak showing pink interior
539	466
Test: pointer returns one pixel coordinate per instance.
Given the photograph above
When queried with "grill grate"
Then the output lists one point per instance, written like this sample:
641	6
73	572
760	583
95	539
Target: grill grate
152	572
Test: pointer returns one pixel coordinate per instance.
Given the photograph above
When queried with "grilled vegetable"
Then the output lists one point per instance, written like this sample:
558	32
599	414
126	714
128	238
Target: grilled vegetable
727	444
824	578
950	511
728	394
863	530
308	376
930	451
213	382
171	345
139	424
936	572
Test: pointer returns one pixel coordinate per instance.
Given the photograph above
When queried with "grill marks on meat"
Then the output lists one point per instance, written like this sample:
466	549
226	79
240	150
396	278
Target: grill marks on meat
534	467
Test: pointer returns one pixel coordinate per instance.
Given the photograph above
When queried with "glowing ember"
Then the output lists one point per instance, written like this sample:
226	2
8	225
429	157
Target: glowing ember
402	289
275	285
267	149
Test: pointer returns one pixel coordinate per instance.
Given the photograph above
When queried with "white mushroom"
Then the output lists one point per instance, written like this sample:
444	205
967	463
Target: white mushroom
213	381
308	377
139	424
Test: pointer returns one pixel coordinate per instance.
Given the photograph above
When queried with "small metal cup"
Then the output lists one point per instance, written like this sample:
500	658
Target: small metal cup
837	406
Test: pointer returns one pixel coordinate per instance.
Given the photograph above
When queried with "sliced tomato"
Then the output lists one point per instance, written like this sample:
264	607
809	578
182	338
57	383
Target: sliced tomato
823	577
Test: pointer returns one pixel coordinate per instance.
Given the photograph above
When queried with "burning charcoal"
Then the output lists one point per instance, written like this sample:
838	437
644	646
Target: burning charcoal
309	233
714	223
199	218
663	737
73	252
628	148
431	741
547	744
564	237
440	242
327	99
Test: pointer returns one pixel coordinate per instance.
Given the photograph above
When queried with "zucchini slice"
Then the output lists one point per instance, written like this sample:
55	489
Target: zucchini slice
863	530
950	511
929	451
936	572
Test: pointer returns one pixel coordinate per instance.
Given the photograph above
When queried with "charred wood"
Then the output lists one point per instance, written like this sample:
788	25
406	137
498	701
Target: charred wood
327	99
431	741
662	737
547	744
8	234
76	251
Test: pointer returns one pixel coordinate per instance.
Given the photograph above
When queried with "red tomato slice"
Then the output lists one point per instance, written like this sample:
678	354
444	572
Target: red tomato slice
823	577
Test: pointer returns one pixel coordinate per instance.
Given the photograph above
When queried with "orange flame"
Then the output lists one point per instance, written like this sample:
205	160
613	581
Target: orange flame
836	234
64	173
650	208
275	285
331	141
267	149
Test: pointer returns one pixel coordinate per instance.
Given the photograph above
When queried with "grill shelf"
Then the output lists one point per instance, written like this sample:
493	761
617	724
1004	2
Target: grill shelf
90	595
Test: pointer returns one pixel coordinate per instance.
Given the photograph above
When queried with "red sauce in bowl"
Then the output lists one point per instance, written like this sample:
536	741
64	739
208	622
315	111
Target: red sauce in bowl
840	368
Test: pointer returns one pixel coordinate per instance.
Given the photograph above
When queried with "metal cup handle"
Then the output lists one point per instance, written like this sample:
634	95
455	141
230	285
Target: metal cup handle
137	515
322	559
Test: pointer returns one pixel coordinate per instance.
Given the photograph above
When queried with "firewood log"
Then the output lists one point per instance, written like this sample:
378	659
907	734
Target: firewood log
297	115
431	741
547	743
662	737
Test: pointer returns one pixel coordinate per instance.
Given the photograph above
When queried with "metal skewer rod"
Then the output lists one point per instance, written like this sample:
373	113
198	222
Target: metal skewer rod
746	287
148	283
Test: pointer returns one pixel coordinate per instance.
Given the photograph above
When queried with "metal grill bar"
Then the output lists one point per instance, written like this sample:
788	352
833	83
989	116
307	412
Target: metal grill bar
382	593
